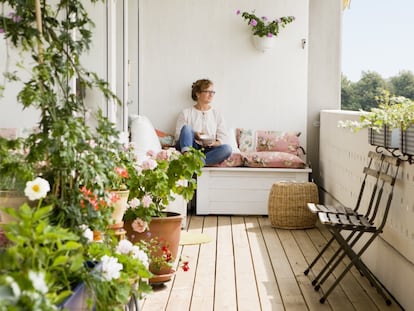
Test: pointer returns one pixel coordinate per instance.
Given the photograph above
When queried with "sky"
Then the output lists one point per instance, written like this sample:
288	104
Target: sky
378	35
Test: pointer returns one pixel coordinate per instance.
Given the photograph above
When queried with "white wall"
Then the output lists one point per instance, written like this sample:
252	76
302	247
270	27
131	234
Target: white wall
342	157
324	79
183	40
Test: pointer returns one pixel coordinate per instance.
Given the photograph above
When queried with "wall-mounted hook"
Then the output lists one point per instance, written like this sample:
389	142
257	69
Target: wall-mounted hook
303	43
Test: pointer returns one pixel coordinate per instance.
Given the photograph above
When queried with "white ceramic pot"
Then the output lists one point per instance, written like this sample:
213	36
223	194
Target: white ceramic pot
264	44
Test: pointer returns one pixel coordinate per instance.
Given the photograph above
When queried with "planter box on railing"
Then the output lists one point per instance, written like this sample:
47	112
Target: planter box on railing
407	141
388	138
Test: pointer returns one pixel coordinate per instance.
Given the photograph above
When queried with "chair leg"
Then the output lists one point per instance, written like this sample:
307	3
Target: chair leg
319	256
355	261
335	260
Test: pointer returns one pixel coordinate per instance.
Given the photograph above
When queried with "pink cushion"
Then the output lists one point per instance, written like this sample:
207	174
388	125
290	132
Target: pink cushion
272	159
277	141
233	161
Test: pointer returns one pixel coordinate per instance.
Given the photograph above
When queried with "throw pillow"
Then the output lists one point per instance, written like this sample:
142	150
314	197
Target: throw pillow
143	136
272	159
277	141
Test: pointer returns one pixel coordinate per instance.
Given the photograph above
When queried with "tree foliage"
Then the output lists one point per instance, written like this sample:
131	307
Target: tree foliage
361	95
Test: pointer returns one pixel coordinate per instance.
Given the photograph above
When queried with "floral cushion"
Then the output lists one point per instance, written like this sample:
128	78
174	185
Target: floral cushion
272	159
245	139
252	140
233	161
277	141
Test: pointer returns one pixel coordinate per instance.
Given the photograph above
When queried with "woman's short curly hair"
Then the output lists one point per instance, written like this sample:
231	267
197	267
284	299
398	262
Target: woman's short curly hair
198	86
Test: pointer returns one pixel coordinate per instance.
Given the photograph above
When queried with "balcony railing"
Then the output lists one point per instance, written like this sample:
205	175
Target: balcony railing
342	156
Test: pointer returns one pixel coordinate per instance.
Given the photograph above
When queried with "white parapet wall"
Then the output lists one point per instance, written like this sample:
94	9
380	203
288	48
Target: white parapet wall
342	157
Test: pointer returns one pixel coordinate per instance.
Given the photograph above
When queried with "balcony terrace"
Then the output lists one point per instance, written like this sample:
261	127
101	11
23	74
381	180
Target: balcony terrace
251	266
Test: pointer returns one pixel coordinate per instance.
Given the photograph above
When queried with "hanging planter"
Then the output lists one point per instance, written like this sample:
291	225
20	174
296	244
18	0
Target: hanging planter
387	137
264	30
263	44
407	141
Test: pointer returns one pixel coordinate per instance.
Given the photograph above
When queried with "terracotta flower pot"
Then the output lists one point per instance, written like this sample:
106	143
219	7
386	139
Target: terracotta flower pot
167	230
9	198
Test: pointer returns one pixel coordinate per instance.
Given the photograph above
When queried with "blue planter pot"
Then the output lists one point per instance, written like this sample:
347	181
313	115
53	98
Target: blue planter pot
78	300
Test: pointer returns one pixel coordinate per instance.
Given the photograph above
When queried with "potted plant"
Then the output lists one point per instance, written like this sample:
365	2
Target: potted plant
75	156
153	183
264	29
42	262
388	124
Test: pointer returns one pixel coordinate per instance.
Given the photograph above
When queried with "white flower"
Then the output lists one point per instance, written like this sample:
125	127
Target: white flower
182	183
13	285
38	281
87	233
111	268
124	247
124	138
139	254
37	189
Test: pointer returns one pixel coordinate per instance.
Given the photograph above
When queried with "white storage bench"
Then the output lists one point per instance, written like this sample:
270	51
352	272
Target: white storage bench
241	190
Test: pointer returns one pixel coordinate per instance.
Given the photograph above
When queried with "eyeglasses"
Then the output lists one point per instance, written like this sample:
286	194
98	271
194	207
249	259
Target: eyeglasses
210	92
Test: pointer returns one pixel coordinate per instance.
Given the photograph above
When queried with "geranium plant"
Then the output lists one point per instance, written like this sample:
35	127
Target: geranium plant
153	182
263	26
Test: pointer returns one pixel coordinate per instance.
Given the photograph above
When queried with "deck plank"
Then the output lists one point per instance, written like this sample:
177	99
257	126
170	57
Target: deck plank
268	290
249	265
225	287
247	295
203	292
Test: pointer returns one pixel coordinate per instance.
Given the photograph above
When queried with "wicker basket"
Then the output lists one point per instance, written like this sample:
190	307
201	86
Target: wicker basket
288	205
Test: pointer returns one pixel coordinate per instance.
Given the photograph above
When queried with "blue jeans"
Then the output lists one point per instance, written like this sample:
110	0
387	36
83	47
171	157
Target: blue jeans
213	155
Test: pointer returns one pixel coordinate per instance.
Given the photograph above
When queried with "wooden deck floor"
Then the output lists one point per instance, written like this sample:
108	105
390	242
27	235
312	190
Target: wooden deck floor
251	266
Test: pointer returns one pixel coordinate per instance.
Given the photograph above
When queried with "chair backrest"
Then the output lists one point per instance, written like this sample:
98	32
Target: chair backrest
387	179
371	174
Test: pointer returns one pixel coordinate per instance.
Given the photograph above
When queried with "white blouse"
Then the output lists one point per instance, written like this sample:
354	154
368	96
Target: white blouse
208	122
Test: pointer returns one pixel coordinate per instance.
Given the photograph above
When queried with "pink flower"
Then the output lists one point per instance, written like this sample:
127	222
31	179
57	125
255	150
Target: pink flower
1	30
237	12
270	35
146	200
149	164
134	203
253	22
150	153
162	155
138	225
138	169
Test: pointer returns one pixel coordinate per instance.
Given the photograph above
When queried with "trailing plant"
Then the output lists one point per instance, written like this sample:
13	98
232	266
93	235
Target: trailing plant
392	111
262	26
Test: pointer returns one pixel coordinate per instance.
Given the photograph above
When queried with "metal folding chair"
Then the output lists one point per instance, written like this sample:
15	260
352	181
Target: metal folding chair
371	174
357	225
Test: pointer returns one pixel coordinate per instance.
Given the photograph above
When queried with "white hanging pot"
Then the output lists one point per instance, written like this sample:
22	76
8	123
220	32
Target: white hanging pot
264	44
